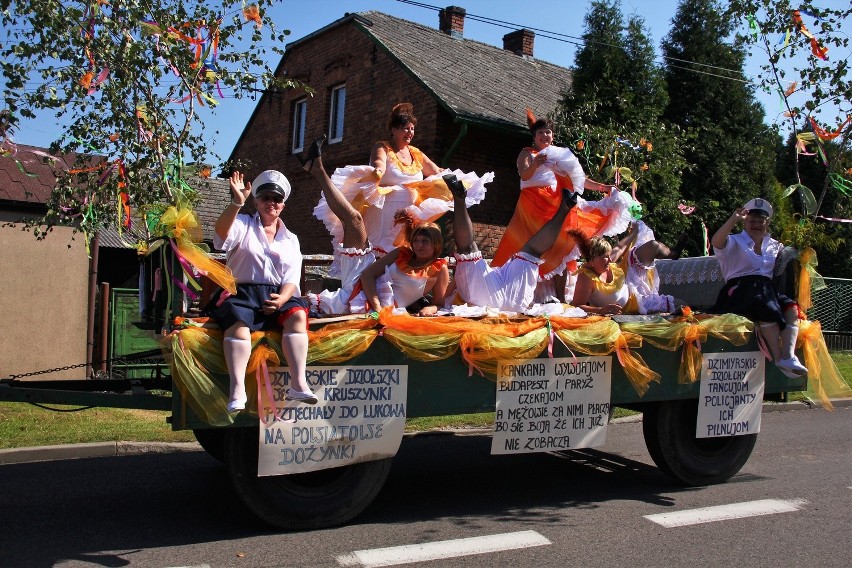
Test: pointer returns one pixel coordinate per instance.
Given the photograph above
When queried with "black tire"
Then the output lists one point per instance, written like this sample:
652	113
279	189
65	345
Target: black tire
213	442
669	430
302	501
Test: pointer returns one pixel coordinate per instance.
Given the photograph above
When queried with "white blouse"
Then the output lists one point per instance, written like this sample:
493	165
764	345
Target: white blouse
254	260
739	259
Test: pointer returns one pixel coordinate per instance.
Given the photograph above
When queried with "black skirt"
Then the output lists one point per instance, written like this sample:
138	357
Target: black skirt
247	306
753	297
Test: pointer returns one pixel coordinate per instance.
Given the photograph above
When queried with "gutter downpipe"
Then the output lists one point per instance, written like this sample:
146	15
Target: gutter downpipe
456	143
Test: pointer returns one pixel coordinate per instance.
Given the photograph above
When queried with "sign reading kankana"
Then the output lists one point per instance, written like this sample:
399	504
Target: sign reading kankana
360	417
546	405
731	399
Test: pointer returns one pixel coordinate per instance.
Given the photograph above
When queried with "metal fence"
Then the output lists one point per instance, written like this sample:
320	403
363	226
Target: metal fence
832	306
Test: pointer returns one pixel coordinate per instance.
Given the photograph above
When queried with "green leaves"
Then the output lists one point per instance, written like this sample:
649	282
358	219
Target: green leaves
127	96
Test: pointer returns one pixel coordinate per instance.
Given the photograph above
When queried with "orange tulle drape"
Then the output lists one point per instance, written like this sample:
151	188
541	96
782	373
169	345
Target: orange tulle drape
536	206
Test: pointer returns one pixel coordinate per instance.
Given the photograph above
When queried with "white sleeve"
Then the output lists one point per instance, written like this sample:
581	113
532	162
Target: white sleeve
567	164
293	269
235	234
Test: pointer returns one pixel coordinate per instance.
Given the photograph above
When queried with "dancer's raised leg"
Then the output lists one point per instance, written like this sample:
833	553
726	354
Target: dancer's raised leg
354	230
462	225
541	242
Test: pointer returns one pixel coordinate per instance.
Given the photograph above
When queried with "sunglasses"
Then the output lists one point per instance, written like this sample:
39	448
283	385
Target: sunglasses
271	197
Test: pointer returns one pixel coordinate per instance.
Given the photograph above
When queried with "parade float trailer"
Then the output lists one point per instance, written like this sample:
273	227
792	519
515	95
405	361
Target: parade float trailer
552	381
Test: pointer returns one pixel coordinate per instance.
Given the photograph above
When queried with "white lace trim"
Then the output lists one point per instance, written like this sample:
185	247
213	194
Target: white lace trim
470	257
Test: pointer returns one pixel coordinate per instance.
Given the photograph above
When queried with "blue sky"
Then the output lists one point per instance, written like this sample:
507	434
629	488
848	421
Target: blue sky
557	16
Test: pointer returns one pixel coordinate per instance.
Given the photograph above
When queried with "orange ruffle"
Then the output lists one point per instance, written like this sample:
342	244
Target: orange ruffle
536	206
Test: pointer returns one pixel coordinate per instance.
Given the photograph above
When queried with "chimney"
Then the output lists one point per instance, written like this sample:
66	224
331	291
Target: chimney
451	21
520	42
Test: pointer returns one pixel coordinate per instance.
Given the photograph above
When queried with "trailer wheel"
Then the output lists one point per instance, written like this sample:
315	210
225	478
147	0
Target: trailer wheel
301	501
213	442
669	430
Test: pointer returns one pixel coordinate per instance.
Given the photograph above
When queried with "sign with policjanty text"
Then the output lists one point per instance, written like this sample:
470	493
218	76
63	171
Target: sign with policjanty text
731	399
546	405
360	417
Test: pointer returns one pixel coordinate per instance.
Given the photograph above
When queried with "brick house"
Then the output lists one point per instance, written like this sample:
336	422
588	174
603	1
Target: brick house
469	98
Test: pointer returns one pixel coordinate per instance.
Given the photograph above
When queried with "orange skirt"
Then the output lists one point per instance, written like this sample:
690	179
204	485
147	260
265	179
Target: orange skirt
536	206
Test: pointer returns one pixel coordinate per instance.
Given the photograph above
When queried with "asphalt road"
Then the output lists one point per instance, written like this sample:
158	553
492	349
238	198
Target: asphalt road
179	510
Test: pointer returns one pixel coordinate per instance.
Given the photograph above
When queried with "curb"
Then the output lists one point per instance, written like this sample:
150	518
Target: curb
111	449
92	450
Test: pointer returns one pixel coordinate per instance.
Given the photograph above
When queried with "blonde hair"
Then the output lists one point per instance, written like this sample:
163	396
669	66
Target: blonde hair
414	227
598	246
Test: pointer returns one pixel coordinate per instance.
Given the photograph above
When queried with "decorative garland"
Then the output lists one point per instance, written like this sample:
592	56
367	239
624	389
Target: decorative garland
194	351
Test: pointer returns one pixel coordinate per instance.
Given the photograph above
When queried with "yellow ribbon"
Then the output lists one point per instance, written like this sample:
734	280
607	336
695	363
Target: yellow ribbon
182	225
688	335
180	222
809	278
824	380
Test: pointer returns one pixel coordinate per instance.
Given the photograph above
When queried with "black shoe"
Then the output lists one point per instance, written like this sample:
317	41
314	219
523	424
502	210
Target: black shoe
455	185
314	152
678	248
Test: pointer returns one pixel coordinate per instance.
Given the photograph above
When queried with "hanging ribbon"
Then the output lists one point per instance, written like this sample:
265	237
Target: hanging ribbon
252	14
802	141
809	279
752	25
824	134
182	226
840	183
6	154
263	357
824	380
791	89
817	49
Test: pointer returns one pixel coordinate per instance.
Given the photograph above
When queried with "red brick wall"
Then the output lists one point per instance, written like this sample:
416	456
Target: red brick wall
374	83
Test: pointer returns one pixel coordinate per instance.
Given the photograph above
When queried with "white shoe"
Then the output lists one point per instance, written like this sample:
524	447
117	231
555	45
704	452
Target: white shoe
236	405
792	365
306	397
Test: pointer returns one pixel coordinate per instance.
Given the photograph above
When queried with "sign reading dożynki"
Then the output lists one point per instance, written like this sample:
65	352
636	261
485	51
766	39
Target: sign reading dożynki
360	417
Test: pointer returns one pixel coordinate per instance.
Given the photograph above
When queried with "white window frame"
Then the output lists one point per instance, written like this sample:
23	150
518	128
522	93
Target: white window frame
300	111
336	114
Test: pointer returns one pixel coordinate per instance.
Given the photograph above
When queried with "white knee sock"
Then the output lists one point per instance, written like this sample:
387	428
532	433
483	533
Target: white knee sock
295	348
788	341
237	354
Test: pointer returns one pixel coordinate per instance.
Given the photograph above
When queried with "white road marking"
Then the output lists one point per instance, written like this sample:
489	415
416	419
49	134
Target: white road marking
409	553
726	512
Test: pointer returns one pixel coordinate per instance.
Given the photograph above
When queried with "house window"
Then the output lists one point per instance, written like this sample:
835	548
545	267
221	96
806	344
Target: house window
300	109
338	106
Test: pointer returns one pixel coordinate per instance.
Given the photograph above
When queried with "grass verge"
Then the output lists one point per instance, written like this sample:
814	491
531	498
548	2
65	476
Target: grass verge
25	425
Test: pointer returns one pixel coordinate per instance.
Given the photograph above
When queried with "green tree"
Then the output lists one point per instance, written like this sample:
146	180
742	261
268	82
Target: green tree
803	47
601	65
127	78
731	151
611	117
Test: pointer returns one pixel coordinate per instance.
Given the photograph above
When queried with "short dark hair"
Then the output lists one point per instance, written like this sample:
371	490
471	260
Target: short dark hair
402	114
539	124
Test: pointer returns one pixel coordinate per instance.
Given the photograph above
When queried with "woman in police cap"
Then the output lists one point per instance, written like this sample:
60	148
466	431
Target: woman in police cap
747	260
266	261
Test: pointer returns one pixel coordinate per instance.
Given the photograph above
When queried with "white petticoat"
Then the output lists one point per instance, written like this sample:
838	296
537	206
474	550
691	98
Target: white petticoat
382	202
508	288
352	262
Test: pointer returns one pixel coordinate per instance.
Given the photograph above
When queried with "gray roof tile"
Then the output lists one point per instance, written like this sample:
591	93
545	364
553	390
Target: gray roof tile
474	80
